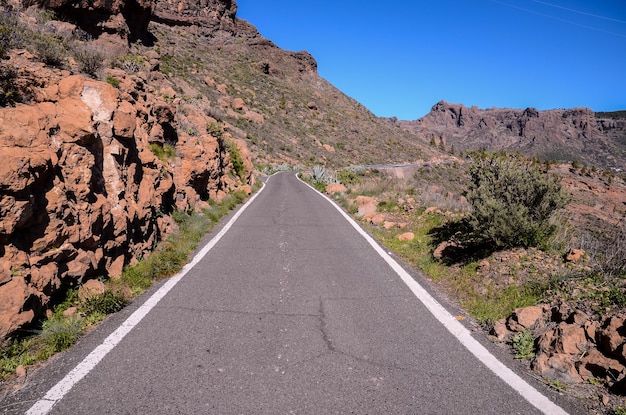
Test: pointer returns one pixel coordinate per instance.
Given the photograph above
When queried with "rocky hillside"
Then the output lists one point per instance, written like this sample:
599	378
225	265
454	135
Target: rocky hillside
275	99
597	139
94	166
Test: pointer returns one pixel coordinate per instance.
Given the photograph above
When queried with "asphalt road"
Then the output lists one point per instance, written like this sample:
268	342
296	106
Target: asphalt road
291	312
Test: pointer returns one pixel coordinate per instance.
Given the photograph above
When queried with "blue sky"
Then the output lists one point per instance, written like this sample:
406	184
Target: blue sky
399	58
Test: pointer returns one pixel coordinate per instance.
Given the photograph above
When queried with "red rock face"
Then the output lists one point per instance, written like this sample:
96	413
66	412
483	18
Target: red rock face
81	193
126	18
195	11
572	134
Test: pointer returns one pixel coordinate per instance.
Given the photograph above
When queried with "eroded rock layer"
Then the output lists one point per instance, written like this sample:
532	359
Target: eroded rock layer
82	192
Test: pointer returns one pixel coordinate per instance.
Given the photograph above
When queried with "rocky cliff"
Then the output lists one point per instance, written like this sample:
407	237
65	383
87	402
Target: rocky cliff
564	134
87	185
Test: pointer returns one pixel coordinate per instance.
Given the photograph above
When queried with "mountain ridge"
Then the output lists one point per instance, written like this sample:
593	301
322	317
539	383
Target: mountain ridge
560	134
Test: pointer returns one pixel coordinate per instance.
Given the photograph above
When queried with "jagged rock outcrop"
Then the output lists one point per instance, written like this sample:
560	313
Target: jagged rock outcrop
127	19
571	347
217	20
81	191
561	134
208	15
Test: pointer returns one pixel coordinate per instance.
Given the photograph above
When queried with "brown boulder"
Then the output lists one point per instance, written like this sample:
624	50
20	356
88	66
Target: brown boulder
484	266
20	169
610	338
335	188
572	339
407	236
90	289
365	205
124	120
377	219
500	330
557	366
574	255
596	365
388	224
13	296
73	121
239	105
45	278
254	117
527	317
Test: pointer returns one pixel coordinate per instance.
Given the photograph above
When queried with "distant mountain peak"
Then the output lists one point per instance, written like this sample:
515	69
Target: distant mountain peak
558	134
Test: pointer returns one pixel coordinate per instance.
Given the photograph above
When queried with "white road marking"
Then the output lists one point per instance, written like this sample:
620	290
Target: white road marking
528	392
58	391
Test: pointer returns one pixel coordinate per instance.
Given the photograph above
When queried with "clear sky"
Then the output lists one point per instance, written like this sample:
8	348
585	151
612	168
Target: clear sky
398	58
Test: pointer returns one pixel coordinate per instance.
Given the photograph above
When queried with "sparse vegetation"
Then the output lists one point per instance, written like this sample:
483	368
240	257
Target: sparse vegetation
163	152
615	115
61	333
10	29
90	59
523	344
131	63
103	304
620	410
50	49
114	82
237	161
9	94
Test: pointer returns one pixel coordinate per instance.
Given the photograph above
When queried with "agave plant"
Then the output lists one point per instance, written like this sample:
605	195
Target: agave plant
319	173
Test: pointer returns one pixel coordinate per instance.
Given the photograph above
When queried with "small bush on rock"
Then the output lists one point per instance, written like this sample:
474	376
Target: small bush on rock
89	58
9	94
512	200
51	50
10	31
523	344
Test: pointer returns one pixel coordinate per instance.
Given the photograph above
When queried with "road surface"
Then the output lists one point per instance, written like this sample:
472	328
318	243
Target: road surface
290	312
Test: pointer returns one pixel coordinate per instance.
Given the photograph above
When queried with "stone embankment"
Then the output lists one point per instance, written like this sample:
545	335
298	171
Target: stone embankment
571	347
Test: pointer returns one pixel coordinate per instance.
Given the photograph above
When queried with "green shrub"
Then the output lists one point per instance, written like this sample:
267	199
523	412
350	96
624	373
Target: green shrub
348	177
523	344
10	31
131	63
237	161
49	49
14	354
163	152
89	58
61	333
114	82
215	129
9	94
512	200
106	303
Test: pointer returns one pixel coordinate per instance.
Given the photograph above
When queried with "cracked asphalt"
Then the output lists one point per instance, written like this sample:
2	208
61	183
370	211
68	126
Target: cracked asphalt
292	312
